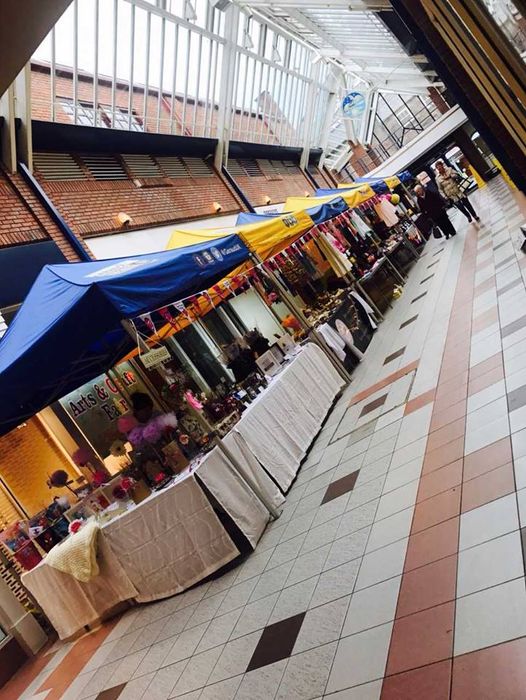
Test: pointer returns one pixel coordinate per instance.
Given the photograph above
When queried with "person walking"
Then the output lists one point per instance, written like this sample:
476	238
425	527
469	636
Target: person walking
433	206
447	181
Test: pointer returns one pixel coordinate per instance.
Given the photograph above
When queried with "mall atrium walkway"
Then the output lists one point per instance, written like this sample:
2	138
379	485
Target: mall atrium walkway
399	552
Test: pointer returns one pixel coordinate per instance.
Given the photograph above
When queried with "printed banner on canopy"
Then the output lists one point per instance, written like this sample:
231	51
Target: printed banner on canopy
265	238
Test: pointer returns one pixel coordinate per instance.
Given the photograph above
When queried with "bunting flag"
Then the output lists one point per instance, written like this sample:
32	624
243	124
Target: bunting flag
209	297
166	314
147	320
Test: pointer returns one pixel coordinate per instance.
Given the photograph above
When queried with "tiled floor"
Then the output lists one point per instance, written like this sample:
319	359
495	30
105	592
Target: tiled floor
396	570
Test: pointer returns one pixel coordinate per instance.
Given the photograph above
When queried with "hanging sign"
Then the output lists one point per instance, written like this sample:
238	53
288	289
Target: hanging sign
155	357
353	105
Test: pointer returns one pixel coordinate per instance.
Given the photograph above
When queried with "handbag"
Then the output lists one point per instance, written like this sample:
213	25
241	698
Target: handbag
463	185
436	232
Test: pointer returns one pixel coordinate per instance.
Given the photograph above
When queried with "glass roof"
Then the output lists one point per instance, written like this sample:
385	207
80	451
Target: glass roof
353	35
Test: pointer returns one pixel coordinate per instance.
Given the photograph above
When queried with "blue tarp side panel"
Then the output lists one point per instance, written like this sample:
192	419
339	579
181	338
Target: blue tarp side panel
377	184
246	217
404	176
327	193
68	330
324	212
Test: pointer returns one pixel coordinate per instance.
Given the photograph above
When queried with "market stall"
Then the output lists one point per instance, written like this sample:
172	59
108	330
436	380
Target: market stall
177	503
172	539
280	425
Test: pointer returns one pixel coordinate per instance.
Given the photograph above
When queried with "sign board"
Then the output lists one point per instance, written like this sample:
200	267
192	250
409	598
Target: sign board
97	406
155	357
353	105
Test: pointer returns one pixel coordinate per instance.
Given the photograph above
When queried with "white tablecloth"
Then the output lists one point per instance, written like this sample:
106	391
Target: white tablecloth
70	604
280	425
170	541
234	495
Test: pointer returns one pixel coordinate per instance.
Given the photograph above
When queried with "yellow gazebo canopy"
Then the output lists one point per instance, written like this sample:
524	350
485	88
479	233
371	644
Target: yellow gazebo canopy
265	238
353	197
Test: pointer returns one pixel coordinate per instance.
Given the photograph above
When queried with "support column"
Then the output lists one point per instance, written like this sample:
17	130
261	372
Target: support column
24	138
309	116
226	90
8	133
472	153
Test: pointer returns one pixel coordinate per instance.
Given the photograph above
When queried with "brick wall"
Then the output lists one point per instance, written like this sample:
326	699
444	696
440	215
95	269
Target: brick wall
322	178
89	207
23	219
277	188
186	120
8	512
17	223
27	457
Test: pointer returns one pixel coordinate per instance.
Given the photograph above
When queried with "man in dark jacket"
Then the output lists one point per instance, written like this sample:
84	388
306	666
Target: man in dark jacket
433	206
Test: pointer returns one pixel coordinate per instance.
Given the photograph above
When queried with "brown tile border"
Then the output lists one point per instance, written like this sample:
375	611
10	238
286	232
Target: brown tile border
428	585
431	682
419	401
494	672
390	379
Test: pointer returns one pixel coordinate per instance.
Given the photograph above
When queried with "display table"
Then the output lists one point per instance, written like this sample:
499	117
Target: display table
166	544
279	426
402	256
234	494
174	539
71	605
379	284
170	541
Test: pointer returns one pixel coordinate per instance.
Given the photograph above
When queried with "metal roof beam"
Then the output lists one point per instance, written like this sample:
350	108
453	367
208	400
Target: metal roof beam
385	56
353	5
315	28
399	70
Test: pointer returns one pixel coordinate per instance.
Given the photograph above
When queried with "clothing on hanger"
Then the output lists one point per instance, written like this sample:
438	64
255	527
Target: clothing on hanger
387	212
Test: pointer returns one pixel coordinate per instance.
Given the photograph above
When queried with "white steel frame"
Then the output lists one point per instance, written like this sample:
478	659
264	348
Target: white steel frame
263	94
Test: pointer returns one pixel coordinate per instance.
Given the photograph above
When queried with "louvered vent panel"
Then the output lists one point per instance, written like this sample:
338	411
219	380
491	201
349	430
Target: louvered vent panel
197	167
279	167
142	165
289	167
269	169
172	166
104	167
235	168
250	167
265	166
57	166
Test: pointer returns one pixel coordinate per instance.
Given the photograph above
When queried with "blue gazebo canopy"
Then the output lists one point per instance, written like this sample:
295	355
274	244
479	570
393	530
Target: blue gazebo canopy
68	330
